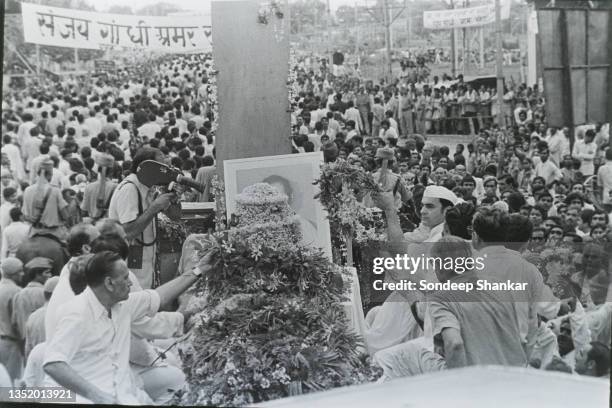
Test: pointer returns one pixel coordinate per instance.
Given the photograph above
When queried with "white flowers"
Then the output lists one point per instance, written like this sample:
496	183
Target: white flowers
229	367
227	247
256	252
280	374
264	383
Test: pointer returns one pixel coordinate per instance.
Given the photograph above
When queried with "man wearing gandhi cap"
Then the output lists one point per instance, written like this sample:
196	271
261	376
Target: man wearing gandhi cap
30	298
43	204
393	324
97	195
436	200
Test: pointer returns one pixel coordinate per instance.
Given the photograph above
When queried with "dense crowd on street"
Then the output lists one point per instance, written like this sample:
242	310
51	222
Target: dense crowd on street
79	305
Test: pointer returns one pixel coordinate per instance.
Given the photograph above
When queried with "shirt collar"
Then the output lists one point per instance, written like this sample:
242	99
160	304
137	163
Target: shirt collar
97	308
34	284
437	229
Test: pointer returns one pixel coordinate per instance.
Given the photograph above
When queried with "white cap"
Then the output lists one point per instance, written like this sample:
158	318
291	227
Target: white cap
440	192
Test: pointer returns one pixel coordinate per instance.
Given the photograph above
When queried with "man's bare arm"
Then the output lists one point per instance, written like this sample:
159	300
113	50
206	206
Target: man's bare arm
171	290
134	228
454	349
67	377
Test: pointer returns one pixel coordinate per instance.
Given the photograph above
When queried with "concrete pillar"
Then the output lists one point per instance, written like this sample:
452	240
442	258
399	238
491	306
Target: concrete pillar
252	60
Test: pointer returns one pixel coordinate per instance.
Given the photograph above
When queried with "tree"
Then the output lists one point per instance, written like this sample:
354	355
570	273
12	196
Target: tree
117	9
307	15
158	9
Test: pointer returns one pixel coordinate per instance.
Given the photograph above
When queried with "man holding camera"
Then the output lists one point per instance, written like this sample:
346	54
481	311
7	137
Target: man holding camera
133	206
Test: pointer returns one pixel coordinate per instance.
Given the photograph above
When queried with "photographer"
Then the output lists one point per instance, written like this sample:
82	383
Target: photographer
43	204
135	208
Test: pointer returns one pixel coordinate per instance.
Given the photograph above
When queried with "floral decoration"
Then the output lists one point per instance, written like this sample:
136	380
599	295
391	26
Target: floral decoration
340	186
272	325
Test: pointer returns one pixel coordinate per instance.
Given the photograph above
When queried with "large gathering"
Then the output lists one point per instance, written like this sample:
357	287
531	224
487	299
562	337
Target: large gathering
112	289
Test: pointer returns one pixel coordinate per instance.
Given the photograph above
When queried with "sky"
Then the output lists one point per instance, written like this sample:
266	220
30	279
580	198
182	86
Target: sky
203	6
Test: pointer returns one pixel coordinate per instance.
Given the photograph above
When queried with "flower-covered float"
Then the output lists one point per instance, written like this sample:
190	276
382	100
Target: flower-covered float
268	321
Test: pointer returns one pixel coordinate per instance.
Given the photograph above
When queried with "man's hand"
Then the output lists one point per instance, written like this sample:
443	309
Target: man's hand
205	265
384	201
162	202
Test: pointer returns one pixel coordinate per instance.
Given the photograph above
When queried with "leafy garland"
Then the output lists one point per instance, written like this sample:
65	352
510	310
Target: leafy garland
340	185
262	318
218	191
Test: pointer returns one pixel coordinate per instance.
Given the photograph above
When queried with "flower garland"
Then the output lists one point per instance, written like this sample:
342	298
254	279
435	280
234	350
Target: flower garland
218	190
348	216
170	230
272	326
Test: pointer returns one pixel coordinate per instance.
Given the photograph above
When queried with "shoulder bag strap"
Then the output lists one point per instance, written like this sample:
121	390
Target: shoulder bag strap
140	211
42	210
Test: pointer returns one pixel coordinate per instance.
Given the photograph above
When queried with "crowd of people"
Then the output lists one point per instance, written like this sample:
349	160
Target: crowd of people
418	102
511	193
78	253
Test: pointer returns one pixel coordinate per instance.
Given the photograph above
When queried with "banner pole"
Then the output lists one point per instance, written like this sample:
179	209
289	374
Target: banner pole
499	69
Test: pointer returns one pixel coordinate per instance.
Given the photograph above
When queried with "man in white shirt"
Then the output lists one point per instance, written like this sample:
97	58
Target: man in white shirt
585	151
133	206
387	131
23	132
556	147
89	351
353	114
13	153
10	201
604	178
392	323
489	231
546	168
14	234
149	129
126	93
93	124
31	148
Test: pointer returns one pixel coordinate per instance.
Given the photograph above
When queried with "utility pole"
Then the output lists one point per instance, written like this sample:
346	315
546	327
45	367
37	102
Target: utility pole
453	46
329	39
466	43
481	41
37	54
356	28
387	20
315	27
387	25
499	68
408	5
37	60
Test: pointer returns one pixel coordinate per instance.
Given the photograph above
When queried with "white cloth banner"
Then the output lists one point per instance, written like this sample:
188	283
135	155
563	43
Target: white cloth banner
465	17
62	27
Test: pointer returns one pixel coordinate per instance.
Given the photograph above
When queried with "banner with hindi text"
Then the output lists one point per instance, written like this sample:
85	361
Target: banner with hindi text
62	27
464	17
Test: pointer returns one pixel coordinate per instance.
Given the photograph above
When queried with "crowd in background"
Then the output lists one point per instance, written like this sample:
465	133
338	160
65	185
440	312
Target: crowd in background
70	146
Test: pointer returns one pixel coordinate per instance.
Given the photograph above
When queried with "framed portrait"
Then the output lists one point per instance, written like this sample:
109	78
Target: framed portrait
293	175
